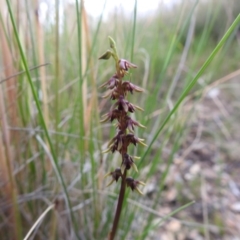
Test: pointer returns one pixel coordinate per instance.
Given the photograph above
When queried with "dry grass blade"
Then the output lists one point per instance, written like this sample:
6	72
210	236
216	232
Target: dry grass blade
21	72
6	163
38	221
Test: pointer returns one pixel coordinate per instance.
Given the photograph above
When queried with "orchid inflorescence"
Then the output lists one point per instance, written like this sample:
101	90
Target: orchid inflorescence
118	90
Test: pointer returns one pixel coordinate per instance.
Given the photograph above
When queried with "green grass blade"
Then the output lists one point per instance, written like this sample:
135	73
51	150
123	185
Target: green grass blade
193	82
134	30
145	233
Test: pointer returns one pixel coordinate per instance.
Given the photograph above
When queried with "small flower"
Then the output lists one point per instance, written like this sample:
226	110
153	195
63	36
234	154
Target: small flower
121	142
123	104
116	174
128	86
133	184
125	65
128	162
114	114
112	82
116	143
131	123
115	94
130	138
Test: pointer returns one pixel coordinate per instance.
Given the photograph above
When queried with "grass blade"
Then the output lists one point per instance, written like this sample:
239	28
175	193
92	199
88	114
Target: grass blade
193	82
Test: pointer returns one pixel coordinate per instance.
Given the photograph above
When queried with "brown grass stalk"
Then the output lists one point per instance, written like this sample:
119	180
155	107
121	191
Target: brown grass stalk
42	72
7	177
9	69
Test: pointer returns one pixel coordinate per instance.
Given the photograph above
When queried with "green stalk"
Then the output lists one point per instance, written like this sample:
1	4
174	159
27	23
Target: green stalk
57	75
134	30
81	119
34	55
79	104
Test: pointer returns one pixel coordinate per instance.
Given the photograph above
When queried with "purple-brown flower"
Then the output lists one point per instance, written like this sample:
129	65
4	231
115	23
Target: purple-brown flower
133	184
131	123
112	115
129	87
111	83
130	138
128	162
116	174
125	65
121	142
123	104
116	143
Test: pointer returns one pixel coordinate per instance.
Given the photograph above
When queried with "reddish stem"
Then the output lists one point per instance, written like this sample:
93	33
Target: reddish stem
119	207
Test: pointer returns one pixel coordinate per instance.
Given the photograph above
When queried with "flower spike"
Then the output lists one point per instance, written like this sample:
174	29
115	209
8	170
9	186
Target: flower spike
117	90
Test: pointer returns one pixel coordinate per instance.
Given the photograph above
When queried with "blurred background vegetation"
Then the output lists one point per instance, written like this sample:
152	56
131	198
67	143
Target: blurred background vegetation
51	165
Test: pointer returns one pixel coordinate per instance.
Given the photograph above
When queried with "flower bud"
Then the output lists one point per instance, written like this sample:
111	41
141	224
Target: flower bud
106	55
125	65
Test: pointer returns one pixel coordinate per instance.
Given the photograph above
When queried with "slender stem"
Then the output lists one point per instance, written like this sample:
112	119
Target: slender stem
134	29
119	206
57	73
